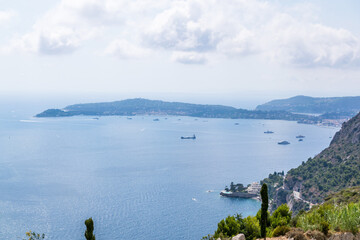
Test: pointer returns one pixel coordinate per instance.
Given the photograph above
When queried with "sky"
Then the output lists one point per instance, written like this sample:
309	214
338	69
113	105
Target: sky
180	49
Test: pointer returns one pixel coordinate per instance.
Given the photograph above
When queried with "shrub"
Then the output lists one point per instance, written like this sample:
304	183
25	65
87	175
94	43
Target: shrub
315	235
324	227
34	236
251	228
280	231
296	234
258	216
228	227
281	216
344	218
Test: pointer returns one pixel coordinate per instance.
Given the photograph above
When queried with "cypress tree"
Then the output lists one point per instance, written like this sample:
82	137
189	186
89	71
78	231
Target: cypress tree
89	229
264	209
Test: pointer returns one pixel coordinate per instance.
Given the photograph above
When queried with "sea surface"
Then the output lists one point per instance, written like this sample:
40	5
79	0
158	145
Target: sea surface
135	177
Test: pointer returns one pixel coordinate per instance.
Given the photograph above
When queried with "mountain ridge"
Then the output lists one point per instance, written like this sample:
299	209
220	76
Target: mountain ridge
348	106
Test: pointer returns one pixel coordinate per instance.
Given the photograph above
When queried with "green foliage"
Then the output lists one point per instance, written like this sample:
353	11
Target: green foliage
89	229
344	196
251	228
334	169
258	217
228	227
338	218
34	236
264	208
280	231
235	187
234	225
281	216
294	219
208	237
324	227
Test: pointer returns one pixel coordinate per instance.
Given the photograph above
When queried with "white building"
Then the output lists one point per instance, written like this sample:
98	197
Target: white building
254	188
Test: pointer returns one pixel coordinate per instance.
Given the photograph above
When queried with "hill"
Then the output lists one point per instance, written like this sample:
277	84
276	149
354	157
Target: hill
334	169
139	106
334	106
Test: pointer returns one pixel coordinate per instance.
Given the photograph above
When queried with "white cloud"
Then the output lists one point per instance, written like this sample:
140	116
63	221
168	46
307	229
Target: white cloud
239	28
124	49
5	16
309	44
188	57
191	30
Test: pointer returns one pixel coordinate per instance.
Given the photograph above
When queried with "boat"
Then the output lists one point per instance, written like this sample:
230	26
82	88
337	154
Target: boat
192	137
300	140
236	123
300	136
283	143
268	132
156	120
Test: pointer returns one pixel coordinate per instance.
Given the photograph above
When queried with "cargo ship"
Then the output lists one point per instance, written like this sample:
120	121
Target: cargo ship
192	137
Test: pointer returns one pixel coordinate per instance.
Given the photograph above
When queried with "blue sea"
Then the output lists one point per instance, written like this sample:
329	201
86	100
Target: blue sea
135	177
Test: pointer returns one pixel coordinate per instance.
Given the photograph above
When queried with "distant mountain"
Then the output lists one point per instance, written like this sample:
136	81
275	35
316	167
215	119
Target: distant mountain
140	106
334	169
346	106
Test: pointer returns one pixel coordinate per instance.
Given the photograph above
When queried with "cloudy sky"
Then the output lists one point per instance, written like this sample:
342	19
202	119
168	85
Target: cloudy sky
244	48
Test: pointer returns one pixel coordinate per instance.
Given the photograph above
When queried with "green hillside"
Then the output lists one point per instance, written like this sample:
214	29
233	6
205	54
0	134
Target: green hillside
335	168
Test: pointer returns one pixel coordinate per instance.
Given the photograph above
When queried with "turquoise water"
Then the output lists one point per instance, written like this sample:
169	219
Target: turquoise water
136	178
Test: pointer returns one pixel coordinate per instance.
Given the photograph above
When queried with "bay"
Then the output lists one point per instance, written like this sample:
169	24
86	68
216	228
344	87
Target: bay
135	177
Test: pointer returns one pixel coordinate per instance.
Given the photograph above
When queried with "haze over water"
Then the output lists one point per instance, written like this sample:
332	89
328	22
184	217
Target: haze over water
136	178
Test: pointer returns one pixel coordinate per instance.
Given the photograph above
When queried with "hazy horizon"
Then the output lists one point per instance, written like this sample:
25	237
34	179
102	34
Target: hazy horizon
45	101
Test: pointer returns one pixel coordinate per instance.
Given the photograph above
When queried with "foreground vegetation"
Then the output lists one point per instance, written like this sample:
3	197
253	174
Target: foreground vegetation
338	214
343	218
89	232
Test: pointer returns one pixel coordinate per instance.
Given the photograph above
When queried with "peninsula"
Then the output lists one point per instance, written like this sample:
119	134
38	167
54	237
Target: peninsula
140	106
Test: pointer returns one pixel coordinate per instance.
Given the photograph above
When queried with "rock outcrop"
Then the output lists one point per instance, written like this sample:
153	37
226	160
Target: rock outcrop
239	237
